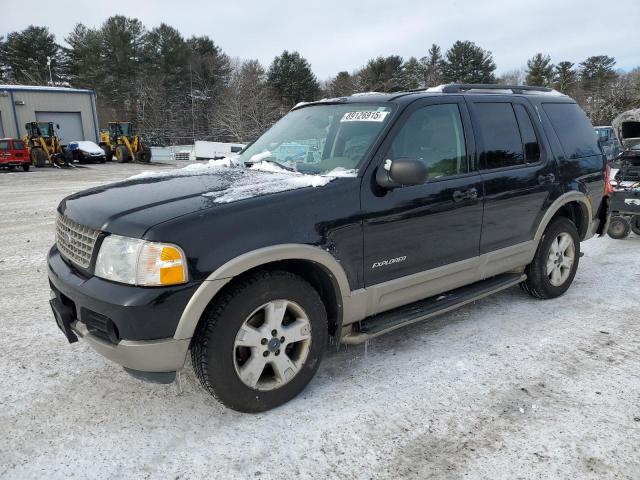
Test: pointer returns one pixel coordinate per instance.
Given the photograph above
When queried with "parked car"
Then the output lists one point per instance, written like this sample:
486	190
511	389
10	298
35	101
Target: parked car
608	141
85	152
14	153
420	202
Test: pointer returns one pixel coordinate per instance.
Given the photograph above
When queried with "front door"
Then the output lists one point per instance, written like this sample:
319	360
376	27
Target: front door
422	240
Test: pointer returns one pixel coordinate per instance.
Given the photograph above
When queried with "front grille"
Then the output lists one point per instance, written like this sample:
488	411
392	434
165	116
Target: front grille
75	241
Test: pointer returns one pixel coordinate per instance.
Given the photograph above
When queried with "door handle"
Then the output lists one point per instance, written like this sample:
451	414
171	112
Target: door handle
546	179
459	195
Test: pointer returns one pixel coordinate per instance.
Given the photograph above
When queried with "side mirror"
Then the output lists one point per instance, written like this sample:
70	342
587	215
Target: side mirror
401	172
58	126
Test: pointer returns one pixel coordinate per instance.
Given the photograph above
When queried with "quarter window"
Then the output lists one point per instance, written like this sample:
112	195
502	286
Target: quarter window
529	139
434	135
502	145
574	130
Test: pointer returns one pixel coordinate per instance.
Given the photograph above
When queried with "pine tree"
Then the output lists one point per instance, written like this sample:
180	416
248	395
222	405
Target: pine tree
341	86
86	64
539	71
26	55
465	62
291	77
596	72
382	74
432	64
565	77
412	75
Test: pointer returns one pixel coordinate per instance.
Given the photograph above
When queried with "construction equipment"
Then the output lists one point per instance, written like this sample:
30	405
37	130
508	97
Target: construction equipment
119	140
45	147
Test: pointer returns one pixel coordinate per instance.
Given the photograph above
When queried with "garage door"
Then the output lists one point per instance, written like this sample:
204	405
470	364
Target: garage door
70	124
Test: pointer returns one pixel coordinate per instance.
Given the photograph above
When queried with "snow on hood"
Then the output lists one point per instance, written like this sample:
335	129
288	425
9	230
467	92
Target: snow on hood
260	178
86	146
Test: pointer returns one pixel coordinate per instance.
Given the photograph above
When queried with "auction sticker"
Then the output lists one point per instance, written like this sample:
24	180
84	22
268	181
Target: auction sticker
364	116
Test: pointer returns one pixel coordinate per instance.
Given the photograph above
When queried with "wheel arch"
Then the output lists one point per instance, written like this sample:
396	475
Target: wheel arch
315	265
573	205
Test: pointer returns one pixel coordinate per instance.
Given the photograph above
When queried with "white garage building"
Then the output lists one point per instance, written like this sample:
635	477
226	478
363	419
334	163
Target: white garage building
73	109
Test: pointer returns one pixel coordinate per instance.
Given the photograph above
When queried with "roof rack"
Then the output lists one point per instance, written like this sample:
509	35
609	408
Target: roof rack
492	88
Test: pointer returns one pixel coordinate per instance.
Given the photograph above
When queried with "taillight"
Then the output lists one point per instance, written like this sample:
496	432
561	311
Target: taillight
608	188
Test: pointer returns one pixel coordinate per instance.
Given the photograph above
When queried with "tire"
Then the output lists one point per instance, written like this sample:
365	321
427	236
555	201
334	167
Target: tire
619	227
122	154
38	157
144	155
25	167
545	277
108	153
218	360
635	224
67	156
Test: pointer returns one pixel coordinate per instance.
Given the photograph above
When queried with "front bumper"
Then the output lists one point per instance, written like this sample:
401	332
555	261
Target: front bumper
137	323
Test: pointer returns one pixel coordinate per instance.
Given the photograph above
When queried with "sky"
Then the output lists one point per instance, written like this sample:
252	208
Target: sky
336	35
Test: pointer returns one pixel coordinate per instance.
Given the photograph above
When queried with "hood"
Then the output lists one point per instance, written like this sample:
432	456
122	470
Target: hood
627	128
133	206
86	146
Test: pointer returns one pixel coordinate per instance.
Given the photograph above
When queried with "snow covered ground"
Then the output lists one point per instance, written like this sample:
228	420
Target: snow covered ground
509	387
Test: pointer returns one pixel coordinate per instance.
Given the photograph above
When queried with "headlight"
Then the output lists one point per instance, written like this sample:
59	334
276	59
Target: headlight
139	262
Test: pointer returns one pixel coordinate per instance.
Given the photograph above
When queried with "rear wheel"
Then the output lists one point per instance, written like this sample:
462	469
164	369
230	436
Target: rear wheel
635	224
108	153
619	227
68	157
38	157
554	266
144	155
122	154
261	343
25	167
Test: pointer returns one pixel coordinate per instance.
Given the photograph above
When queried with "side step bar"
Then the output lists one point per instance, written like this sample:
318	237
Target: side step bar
377	325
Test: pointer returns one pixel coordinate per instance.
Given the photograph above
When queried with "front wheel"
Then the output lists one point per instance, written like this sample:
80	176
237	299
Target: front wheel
25	167
554	266
144	155
122	154
108	153
261	343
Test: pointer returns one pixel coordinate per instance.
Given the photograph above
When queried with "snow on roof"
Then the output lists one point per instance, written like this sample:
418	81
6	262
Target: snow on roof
45	88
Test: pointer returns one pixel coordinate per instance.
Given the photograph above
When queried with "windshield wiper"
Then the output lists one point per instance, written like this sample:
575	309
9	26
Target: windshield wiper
269	160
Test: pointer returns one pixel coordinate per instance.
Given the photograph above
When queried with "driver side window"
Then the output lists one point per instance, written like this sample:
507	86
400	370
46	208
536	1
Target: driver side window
434	135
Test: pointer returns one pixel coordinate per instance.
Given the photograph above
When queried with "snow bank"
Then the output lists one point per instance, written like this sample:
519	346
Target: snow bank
260	179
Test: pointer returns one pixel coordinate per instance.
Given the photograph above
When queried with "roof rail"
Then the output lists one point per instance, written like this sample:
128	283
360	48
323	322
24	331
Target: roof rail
466	87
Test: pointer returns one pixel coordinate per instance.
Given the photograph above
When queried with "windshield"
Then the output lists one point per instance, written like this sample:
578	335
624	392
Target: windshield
320	138
45	131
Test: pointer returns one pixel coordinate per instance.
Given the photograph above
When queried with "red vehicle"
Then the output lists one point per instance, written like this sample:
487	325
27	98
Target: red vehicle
14	153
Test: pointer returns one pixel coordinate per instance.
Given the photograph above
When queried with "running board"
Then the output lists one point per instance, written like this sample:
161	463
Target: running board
377	325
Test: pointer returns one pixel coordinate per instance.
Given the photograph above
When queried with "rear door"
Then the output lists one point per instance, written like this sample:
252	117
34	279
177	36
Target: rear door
517	168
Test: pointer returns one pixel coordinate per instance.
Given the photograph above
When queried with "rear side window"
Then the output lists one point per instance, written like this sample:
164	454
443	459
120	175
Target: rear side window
529	139
18	145
577	136
502	145
4	145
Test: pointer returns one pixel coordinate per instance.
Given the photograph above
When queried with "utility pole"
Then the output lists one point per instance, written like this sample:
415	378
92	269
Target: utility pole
193	115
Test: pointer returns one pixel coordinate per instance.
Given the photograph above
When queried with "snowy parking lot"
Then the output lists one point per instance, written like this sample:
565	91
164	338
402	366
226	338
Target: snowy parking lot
508	387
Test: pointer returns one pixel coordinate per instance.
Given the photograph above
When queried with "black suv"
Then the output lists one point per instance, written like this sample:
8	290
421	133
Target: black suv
349	218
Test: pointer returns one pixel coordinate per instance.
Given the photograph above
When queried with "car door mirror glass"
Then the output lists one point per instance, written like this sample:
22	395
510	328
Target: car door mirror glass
401	172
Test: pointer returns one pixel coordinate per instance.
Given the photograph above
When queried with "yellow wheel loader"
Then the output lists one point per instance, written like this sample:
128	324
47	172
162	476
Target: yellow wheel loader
45	147
119	141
